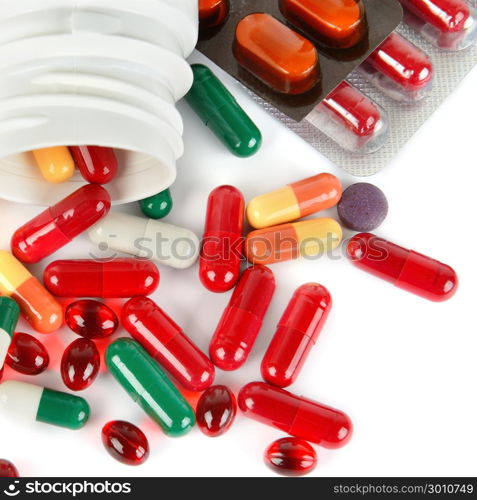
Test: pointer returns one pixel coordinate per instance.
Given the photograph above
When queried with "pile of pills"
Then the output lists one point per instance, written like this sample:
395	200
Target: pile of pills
158	348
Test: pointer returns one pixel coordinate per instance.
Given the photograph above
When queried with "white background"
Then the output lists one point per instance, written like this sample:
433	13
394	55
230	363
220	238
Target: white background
403	368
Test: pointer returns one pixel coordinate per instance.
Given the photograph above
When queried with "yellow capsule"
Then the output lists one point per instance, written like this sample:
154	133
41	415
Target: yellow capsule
56	164
294	201
309	238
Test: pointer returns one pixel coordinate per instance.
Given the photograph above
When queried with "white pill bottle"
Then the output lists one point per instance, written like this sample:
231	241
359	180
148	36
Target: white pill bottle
93	72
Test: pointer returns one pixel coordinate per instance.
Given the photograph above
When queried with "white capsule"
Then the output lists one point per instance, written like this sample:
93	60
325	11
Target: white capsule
5	341
20	400
147	238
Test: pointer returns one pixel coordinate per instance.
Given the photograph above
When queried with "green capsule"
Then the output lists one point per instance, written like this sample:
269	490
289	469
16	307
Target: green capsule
219	110
9	314
158	205
149	387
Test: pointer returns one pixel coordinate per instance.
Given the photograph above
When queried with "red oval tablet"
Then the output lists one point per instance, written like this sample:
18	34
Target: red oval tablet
80	364
27	355
125	442
216	410
91	319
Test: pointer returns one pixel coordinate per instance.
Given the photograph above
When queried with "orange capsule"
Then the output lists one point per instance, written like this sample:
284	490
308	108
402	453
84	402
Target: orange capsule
277	55
294	201
336	23
309	239
36	304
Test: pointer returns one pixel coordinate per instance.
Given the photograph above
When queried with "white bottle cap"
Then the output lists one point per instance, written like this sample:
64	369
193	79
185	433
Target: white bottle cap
93	72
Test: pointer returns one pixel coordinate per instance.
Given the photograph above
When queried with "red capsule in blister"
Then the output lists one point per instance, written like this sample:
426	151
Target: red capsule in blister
59	224
295	415
91	319
405	268
445	15
296	334
399	69
165	341
97	164
7	469
125	442
80	364
351	119
222	245
241	321
448	24
116	278
291	457
216	410
27	355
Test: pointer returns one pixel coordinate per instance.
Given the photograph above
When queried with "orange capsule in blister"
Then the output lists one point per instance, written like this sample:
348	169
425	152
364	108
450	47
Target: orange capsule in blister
283	59
336	23
213	13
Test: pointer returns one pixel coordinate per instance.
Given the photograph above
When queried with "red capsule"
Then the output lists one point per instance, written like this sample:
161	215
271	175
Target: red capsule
98	165
213	13
117	278
406	269
291	457
91	319
353	110
80	364
297	416
296	334
125	442
216	410
222	245
165	341
7	469
402	62
27	355
399	69
447	16
241	321
59	224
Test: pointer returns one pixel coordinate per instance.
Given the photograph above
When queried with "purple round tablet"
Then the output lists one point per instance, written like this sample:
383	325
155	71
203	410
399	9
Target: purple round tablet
363	207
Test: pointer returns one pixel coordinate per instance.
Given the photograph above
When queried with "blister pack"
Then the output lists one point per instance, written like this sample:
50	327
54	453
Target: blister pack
359	121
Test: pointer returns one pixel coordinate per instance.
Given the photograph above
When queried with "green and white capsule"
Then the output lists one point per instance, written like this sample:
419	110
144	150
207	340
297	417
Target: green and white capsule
9	314
34	403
